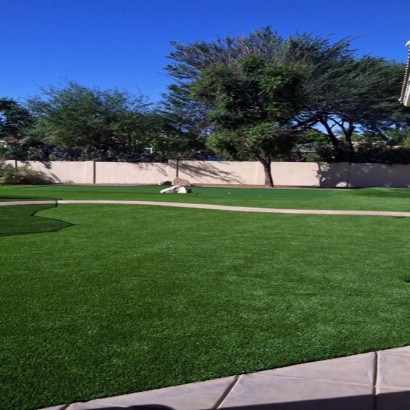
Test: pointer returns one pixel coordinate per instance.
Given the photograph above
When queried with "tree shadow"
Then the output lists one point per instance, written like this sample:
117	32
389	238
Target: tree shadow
333	175
363	175
394	400
207	170
379	175
21	219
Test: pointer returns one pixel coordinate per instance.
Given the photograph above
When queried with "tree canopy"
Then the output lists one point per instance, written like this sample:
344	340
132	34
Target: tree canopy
15	120
76	116
346	94
253	104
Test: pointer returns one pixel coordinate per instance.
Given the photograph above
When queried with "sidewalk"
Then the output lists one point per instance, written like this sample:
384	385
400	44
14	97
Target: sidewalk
216	207
370	381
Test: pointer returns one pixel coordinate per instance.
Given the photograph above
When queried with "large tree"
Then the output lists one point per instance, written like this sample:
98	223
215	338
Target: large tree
76	116
347	94
15	120
354	95
185	124
253	105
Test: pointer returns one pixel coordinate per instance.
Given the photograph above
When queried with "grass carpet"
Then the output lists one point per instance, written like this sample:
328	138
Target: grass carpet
131	298
375	199
22	220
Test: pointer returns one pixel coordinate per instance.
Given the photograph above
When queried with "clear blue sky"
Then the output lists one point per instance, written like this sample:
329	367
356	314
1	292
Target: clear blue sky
123	43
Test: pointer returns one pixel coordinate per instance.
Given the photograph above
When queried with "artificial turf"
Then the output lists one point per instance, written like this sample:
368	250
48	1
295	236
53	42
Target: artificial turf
22	220
375	199
130	298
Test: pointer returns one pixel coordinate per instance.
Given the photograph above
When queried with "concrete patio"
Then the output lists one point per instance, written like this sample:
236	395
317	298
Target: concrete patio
371	381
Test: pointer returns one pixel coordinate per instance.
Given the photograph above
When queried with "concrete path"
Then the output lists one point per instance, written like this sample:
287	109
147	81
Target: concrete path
216	207
370	381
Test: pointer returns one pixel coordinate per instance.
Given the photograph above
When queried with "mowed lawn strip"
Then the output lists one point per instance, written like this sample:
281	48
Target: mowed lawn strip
372	199
131	298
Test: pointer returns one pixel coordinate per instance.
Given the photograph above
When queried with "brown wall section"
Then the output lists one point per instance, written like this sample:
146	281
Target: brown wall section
303	174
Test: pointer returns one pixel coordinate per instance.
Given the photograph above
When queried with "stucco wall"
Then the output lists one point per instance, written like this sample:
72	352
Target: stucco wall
65	172
308	174
129	173
217	172
379	175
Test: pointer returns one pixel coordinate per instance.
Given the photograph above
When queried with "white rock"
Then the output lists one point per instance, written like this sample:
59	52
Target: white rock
183	190
172	190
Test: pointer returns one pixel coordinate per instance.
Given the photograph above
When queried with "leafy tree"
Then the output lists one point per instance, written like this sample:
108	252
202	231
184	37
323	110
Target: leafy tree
355	95
347	94
252	104
312	137
15	120
185	124
77	116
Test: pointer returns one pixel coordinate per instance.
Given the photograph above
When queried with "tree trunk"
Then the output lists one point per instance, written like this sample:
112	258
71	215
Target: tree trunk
268	174
348	136
330	133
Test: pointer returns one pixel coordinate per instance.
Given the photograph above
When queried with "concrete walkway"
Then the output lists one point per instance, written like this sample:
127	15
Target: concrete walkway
370	381
216	207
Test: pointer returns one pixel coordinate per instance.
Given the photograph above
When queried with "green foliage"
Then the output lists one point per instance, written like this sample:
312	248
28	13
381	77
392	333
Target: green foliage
397	136
252	105
30	148
312	137
77	116
22	175
346	94
15	120
185	125
360	95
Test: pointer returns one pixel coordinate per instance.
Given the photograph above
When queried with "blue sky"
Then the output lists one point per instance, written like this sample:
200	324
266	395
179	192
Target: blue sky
124	43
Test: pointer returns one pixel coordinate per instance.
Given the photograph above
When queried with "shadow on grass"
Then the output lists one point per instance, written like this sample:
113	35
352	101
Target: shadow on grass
21	219
19	198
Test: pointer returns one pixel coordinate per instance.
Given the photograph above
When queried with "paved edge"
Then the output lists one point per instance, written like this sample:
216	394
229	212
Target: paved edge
216	207
377	380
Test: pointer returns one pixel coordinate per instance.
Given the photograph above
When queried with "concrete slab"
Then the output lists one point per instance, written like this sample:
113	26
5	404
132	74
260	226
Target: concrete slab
256	391
393	370
193	396
390	398
61	407
88	406
336	384
399	350
359	369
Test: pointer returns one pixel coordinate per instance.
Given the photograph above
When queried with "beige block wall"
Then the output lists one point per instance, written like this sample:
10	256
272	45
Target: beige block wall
64	172
333	175
118	173
216	172
306	174
379	175
309	174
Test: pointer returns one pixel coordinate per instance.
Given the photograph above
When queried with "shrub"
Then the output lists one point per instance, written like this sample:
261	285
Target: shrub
22	175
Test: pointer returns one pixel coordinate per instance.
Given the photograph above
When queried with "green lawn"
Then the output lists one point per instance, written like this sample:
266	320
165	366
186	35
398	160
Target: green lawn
101	300
377	199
